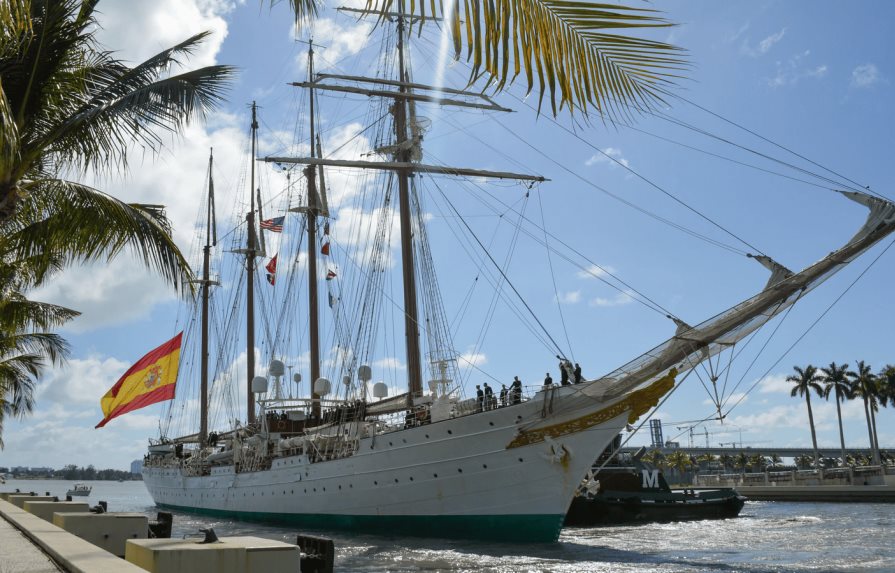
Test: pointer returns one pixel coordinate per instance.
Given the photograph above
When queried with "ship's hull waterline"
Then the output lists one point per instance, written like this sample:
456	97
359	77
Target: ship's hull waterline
503	474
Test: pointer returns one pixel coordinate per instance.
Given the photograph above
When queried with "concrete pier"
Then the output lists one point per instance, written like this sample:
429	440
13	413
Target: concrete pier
60	549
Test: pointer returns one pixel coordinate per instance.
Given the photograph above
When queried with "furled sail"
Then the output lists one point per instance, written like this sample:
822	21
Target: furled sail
692	345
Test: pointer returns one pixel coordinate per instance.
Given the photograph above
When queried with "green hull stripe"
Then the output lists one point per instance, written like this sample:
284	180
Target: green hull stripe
522	528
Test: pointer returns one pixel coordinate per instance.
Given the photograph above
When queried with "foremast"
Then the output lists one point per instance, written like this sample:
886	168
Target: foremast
210	241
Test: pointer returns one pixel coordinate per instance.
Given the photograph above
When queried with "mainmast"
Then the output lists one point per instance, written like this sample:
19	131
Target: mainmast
411	315
210	240
250	281
312	211
405	163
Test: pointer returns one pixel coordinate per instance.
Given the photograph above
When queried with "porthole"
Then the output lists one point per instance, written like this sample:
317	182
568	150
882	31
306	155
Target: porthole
411	478
450	432
375	483
396	480
434	475
484	466
390	444
490	423
460	470
427	436
520	460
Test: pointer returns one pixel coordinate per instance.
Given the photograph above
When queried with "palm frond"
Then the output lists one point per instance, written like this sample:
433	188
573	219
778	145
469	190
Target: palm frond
76	223
575	50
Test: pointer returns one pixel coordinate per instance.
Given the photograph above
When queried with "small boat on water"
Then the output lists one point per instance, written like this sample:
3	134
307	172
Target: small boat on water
626	491
622	498
80	489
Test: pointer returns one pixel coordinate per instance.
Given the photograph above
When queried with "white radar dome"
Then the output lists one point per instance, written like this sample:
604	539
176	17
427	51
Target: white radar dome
259	385
322	387
277	368
380	390
364	373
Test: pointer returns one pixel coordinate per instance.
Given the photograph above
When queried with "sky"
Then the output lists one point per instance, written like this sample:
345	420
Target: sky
808	76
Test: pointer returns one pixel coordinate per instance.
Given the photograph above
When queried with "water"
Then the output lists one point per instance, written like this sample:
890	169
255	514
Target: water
768	537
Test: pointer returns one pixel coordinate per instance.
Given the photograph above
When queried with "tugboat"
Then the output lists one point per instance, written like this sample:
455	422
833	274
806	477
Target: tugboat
626	492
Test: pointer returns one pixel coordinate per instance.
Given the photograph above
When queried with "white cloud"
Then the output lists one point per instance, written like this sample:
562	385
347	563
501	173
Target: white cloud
570	297
617	300
765	45
775	384
865	76
105	293
139	30
389	363
791	71
334	42
593	272
610	155
80	381
472	359
818	72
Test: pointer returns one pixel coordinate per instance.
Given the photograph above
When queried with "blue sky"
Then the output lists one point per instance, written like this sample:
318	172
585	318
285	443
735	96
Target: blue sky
810	76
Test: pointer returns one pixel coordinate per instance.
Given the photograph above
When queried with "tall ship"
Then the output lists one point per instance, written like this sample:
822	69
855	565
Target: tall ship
352	453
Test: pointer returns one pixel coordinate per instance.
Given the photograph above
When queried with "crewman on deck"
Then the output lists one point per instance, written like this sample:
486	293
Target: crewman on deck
548	381
578	378
489	397
503	395
480	397
516	389
563	374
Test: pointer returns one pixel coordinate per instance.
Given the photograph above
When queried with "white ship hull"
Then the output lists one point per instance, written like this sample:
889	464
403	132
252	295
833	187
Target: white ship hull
469	476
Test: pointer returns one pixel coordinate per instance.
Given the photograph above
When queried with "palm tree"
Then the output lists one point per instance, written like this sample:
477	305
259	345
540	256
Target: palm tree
805	461
707	460
655	458
741	461
776	460
758	462
805	381
26	347
565	44
836	382
68	107
679	461
726	461
864	385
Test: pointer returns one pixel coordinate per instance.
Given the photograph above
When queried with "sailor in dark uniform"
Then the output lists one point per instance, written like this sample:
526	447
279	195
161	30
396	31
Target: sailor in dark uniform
480	396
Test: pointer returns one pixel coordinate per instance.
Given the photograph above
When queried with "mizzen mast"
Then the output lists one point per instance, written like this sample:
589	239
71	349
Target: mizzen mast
250	280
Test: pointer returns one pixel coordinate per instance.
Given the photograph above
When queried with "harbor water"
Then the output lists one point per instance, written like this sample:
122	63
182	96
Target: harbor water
767	537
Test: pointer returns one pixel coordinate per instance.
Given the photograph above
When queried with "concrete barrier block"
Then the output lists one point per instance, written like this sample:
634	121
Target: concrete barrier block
19	499
46	509
229	555
110	531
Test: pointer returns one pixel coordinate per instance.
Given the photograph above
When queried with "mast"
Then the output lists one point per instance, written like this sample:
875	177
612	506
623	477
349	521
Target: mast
250	282
313	306
411	315
210	238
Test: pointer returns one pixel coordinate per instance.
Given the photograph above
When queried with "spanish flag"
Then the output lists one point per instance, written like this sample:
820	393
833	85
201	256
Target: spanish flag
150	380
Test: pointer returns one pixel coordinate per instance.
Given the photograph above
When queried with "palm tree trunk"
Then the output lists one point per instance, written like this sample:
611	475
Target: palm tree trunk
813	434
841	434
876	455
869	427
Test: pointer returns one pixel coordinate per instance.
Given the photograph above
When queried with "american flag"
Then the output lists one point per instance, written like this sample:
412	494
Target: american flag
275	224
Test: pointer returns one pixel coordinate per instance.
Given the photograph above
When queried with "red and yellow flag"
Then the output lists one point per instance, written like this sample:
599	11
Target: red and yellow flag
150	380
